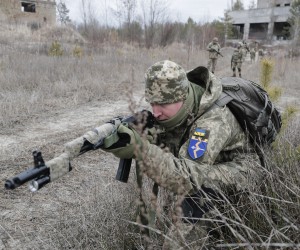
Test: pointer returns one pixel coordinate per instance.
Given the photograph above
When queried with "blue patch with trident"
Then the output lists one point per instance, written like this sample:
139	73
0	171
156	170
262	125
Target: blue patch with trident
198	143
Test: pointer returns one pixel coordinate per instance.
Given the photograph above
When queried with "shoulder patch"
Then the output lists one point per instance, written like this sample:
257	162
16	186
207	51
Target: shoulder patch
198	143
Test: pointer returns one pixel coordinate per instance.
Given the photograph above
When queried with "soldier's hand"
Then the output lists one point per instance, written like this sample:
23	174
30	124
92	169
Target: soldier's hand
125	143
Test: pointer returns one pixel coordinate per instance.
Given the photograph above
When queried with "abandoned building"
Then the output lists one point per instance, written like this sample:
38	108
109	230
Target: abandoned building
35	13
268	22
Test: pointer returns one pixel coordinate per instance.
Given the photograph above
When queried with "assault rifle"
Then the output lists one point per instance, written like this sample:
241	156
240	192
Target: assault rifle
216	52
44	172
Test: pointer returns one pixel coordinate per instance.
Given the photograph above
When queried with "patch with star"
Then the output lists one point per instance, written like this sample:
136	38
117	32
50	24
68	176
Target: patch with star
198	143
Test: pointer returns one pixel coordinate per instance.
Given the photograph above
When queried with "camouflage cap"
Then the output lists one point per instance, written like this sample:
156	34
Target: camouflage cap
215	39
166	82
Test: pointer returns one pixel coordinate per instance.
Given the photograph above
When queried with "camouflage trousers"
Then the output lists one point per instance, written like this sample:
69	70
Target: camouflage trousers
237	65
212	63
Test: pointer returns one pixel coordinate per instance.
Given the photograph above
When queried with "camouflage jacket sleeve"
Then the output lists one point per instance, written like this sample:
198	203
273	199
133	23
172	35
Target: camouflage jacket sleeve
183	174
208	47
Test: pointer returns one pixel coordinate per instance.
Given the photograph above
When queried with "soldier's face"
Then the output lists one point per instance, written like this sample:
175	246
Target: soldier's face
165	111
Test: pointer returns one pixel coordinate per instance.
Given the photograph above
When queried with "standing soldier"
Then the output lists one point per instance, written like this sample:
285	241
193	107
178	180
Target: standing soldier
245	49
214	51
252	55
236	60
260	53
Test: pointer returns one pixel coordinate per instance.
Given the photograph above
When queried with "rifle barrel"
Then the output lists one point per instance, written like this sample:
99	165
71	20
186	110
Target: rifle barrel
25	176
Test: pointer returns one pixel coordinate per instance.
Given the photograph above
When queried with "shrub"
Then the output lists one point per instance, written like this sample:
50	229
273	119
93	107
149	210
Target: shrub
267	68
55	49
77	51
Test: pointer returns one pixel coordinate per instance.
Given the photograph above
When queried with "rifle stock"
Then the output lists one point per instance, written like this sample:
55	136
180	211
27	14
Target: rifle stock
43	173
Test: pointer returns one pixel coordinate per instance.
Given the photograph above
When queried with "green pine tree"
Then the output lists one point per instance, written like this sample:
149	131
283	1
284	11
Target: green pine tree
63	13
238	5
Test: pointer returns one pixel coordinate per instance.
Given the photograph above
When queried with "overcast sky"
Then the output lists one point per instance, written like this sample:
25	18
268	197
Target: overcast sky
198	10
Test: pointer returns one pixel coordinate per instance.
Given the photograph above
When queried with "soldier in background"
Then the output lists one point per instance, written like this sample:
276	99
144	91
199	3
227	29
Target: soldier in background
214	52
245	49
252	55
237	60
194	152
261	53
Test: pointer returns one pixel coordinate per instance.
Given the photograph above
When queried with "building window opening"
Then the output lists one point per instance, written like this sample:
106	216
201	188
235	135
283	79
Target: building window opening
281	31
237	31
287	4
258	31
28	7
277	5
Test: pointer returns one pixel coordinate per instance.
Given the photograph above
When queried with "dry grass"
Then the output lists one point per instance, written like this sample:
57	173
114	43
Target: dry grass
88	209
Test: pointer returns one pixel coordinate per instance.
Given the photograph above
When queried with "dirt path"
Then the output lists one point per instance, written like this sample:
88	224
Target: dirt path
70	122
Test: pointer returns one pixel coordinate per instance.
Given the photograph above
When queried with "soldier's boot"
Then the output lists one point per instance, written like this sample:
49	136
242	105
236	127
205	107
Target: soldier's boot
234	75
240	75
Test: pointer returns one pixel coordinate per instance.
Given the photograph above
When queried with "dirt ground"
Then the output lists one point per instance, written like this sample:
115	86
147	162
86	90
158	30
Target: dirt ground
21	210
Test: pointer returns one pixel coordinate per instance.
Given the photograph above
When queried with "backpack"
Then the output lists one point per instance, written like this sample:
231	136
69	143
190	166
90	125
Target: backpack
253	109
249	103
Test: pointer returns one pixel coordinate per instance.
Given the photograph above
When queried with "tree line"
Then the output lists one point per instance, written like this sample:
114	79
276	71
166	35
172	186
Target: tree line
147	23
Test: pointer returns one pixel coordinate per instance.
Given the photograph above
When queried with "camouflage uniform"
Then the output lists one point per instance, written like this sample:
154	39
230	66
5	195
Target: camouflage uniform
252	55
195	154
236	61
213	47
185	168
245	49
261	53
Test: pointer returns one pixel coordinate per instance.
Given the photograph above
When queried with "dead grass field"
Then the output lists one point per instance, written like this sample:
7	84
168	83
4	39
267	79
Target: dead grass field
47	101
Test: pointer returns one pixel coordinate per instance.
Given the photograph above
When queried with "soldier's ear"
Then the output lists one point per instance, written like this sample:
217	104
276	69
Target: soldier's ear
199	76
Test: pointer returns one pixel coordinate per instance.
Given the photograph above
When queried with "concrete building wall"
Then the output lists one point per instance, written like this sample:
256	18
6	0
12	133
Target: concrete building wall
264	3
272	3
34	12
262	15
282	3
267	22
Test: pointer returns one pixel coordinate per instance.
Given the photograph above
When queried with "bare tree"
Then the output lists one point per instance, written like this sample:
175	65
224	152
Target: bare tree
153	11
125	11
105	8
88	12
90	23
